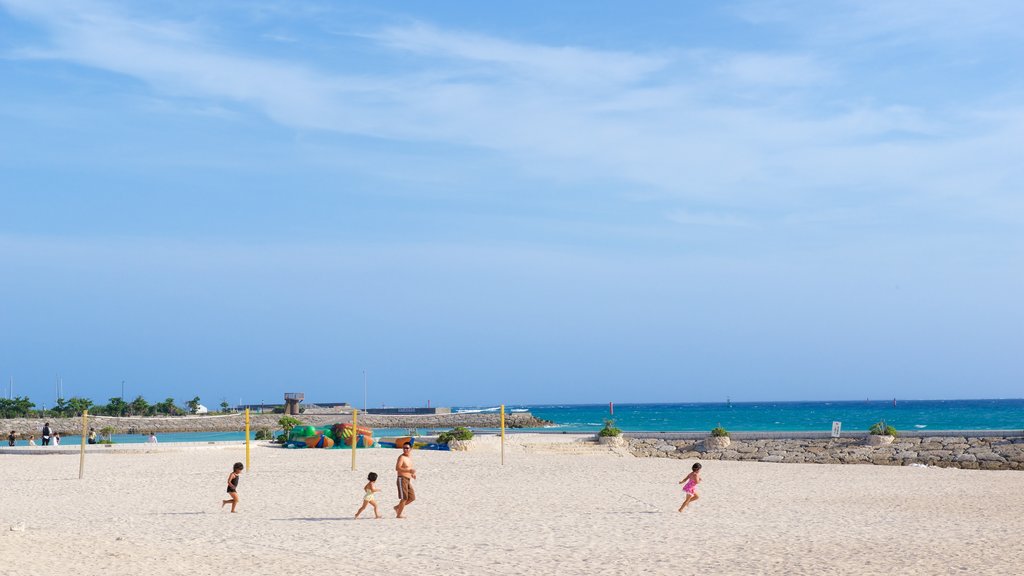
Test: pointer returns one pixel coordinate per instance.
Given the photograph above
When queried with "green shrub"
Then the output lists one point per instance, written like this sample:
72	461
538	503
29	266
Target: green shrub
457	433
282	438
264	434
105	433
609	429
719	432
882	429
287	423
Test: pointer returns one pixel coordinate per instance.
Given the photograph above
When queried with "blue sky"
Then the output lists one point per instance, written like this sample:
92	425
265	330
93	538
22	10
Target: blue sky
532	203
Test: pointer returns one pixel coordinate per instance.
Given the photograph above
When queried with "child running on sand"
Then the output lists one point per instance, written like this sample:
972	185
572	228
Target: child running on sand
368	497
233	486
690	488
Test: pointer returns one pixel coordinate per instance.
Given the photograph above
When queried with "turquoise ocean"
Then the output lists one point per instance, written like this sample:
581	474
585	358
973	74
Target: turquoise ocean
906	415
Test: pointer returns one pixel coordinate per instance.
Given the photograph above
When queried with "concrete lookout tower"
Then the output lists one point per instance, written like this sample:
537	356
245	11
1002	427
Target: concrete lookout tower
292	401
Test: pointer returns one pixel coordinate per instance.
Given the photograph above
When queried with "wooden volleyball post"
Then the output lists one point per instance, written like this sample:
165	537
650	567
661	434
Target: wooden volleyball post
355	435
247	439
81	457
502	434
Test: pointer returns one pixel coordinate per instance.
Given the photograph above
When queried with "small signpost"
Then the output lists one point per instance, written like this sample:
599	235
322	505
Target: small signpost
836	426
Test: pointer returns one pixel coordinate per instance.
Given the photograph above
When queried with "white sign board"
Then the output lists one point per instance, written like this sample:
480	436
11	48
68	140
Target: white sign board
835	429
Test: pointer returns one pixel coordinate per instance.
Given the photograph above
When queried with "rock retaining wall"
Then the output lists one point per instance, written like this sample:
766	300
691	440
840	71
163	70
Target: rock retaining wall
216	423
986	453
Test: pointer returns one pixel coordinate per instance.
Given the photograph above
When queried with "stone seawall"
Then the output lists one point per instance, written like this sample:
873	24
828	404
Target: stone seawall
986	453
216	423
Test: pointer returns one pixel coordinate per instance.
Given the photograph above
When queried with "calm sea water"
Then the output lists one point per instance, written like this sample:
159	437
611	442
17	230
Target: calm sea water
906	415
786	416
238	436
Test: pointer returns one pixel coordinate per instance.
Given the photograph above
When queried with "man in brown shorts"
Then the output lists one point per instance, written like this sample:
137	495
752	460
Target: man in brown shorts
406	474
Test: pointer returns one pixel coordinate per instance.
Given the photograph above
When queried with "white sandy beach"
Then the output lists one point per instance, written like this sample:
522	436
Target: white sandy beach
544	512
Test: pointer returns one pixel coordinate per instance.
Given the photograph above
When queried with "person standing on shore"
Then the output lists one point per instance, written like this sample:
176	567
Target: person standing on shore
92	435
406	474
12	439
233	486
56	439
46	434
690	488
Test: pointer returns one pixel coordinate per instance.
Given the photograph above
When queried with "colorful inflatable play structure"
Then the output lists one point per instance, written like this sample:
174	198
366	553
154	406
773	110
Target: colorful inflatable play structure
401	441
346	434
332	436
342	436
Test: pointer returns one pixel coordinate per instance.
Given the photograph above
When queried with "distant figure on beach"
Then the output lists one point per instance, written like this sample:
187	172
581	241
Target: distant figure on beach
46	434
31	440
406	474
152	438
92	435
690	486
233	486
12	438
368	498
56	439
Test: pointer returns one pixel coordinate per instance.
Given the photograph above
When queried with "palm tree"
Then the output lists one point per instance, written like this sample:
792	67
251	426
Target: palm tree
139	406
117	406
167	407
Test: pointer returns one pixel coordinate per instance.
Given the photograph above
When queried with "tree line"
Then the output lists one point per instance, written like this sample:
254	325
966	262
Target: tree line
23	407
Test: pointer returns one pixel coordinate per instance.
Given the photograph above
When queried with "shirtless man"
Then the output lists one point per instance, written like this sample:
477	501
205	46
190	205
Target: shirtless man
406	474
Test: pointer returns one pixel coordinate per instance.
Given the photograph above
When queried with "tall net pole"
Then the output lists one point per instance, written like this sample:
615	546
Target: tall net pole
502	434
355	435
247	439
81	457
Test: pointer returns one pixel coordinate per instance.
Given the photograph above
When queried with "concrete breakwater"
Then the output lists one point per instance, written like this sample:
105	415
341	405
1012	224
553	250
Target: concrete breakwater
1002	452
219	423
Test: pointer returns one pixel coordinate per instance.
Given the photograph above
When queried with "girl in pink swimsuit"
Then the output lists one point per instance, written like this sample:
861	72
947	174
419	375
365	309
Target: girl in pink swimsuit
690	486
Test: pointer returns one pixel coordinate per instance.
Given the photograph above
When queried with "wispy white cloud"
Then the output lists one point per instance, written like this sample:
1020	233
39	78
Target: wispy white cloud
564	64
716	219
281	38
773	70
935	22
663	121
